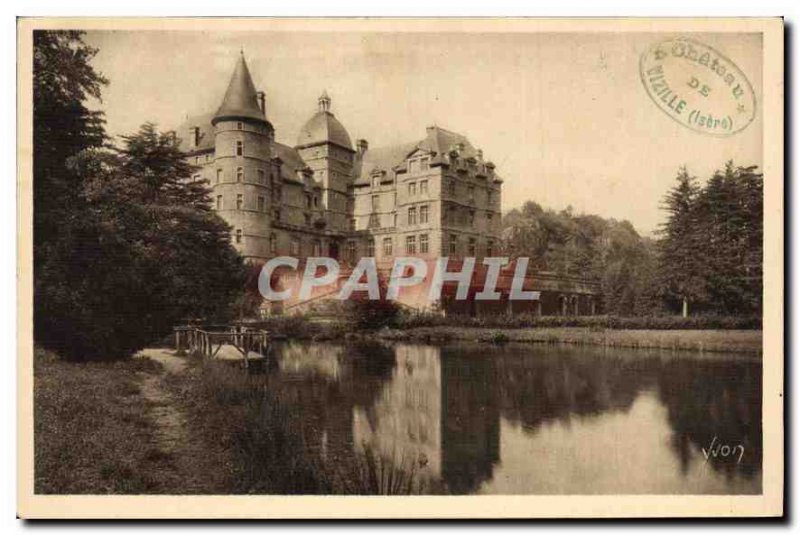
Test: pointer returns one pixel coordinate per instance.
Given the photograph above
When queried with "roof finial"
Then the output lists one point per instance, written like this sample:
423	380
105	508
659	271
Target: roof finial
324	101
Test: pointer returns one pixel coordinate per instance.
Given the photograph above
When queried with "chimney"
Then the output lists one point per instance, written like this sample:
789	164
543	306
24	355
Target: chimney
262	102
362	145
195	136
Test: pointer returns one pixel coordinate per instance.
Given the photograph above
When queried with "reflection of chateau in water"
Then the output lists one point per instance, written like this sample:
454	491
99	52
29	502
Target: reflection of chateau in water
473	414
405	420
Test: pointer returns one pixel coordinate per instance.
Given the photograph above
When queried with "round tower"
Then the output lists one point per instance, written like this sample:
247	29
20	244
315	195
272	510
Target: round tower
325	146
243	164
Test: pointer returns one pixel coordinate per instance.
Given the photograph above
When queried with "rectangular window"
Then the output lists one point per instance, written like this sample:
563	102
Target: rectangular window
453	244
375	202
295	247
423	243
273	243
351	251
276	215
413	166
423	213
472	194
219	176
471	218
352	224
261	179
239	174
219	202
387	247
261	203
471	248
376	182
239	148
412	216
371	248
316	248
411	245
412	189
238	235
239	201
489	217
423	187
452	187
490	248
423	163
308	219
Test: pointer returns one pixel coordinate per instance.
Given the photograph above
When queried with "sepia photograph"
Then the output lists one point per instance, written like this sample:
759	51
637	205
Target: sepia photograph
496	267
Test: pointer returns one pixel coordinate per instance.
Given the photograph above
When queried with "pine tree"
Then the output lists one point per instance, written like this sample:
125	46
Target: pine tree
681	246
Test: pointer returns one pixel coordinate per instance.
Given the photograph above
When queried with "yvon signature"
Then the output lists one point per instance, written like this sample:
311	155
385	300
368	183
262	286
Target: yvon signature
723	451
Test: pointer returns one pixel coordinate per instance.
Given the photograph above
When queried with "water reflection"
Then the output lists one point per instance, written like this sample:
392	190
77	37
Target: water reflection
536	419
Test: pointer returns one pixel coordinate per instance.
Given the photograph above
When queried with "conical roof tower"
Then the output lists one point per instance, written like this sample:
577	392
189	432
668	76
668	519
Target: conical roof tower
241	98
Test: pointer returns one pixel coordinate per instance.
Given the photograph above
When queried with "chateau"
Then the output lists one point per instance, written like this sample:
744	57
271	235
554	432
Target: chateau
325	196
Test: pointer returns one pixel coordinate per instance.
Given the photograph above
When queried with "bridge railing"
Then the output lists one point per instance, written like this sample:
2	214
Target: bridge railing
207	342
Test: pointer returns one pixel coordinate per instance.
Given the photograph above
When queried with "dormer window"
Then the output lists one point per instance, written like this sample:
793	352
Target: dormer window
416	165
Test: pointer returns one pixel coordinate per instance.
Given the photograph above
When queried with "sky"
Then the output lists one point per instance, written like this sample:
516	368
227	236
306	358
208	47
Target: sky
565	117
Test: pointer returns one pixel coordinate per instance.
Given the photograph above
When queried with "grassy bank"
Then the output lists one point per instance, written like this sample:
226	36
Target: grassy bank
699	333
91	430
213	429
253	422
732	341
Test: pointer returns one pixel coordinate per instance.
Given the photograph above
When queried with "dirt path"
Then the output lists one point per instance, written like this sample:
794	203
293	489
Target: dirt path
185	467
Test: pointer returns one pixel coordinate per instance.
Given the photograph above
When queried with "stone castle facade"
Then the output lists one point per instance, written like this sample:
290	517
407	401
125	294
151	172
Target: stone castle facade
324	196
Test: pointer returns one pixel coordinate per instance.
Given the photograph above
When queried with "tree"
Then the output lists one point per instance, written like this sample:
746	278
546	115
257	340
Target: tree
146	252
681	245
589	246
730	214
63	80
711	245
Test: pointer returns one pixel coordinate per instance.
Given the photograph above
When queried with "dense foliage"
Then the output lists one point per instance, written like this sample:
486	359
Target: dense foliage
606	250
126	243
711	246
708	253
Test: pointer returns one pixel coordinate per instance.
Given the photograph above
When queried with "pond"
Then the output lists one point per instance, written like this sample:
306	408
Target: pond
535	419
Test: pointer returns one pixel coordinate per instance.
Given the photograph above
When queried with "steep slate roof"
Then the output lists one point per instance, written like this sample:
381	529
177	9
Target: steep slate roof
382	159
437	141
184	133
324	127
292	162
241	100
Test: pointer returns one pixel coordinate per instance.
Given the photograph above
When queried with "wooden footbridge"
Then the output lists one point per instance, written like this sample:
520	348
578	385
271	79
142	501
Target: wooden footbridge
206	341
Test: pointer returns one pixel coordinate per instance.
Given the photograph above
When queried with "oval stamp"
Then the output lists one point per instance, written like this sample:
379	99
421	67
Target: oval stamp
698	87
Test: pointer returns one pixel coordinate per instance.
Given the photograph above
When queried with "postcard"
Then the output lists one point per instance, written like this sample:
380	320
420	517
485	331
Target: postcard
400	268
